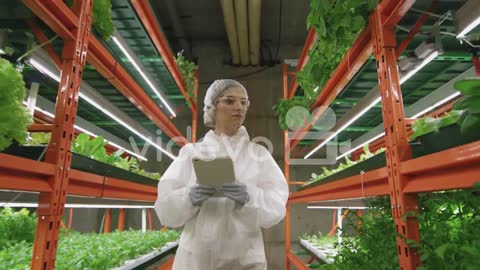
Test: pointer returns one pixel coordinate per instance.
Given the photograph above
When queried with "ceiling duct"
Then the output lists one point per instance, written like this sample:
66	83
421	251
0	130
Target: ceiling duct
242	23
231	27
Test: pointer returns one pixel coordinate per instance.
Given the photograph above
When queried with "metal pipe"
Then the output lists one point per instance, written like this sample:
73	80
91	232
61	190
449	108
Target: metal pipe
231	28
241	17
254	12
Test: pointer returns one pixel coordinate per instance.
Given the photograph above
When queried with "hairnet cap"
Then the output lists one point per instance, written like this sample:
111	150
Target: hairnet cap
213	92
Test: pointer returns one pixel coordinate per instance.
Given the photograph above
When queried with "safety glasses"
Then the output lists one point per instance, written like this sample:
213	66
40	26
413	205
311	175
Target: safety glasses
230	101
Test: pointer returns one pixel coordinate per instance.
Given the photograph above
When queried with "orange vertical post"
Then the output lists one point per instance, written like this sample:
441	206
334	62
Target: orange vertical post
398	149
286	168
107	223
149	219
121	219
51	204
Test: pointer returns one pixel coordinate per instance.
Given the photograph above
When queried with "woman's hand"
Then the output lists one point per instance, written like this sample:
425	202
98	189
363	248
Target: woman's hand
199	193
236	192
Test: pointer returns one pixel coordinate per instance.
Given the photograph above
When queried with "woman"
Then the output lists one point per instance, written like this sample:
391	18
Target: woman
223	232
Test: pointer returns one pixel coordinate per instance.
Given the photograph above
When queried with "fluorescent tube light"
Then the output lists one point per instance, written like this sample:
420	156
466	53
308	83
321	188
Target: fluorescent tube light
121	122
92	134
353	119
77	205
45	70
424	62
144	76
469	28
443	101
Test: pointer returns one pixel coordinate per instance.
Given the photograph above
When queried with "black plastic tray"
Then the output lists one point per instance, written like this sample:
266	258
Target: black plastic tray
83	163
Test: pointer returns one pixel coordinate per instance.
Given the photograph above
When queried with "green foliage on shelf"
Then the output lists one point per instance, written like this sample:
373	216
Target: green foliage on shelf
335	37
284	105
448	224
342	166
187	68
14	117
427	125
91	251
16	226
38	138
95	149
101	17
470	103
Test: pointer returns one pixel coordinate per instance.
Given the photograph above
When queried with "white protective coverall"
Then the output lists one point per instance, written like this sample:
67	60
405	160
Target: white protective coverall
221	234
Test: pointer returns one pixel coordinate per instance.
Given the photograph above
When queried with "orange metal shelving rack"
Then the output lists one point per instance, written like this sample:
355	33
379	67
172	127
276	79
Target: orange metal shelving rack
403	177
54	179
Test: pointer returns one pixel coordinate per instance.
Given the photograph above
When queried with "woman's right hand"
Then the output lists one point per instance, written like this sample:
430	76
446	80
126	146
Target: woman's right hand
199	193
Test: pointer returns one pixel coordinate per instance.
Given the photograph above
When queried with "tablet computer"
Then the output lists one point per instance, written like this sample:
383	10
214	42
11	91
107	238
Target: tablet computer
215	172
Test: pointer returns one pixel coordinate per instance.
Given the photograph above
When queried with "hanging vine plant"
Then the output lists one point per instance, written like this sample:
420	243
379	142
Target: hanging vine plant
187	68
337	24
14	119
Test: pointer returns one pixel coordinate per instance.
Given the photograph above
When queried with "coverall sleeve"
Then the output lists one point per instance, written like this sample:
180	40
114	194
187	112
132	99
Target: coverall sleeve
173	205
269	197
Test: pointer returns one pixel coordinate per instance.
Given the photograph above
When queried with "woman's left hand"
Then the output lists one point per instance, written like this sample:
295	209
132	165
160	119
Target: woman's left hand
236	192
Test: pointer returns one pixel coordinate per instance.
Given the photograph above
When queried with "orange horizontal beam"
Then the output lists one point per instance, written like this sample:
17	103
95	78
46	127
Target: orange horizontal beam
148	18
303	60
372	183
393	11
40	128
120	189
450	159
18	173
297	262
57	15
167	265
84	183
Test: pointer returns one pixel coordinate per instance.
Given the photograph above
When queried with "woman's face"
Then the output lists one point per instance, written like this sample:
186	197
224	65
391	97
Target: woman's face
231	108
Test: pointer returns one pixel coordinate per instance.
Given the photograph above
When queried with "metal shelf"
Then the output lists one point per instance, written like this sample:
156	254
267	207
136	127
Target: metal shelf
403	177
323	254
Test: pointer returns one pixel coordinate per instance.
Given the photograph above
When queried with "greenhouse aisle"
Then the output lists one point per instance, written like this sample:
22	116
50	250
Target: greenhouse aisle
369	110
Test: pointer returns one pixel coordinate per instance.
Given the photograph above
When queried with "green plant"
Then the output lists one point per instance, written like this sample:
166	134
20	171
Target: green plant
427	125
91	251
298	119
82	145
14	124
337	24
342	166
16	226
187	68
470	103
39	138
448	224
154	176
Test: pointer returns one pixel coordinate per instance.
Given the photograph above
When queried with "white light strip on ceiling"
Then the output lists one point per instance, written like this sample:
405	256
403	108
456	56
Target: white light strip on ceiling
424	62
404	78
361	145
96	105
469	28
353	119
144	76
76	205
92	134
